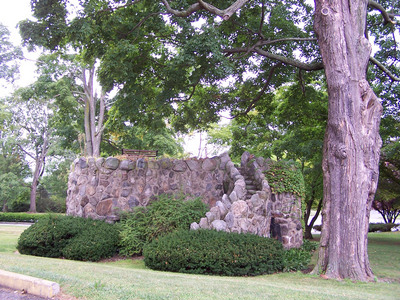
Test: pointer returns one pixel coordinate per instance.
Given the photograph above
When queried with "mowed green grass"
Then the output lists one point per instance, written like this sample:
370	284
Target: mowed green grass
130	279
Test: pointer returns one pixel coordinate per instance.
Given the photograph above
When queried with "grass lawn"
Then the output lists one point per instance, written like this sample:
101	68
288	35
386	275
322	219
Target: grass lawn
130	279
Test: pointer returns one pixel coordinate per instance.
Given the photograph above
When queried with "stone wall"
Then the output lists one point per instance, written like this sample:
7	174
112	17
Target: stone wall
100	188
239	199
251	207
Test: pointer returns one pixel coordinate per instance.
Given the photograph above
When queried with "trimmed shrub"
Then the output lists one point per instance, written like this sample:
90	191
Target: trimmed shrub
99	242
297	259
53	236
164	215
214	252
382	227
22	217
373	227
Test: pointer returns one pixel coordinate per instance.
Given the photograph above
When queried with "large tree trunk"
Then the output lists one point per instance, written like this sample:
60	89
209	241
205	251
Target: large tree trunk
352	142
93	124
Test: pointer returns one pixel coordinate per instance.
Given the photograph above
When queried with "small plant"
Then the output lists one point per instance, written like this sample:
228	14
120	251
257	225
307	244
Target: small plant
164	215
296	259
69	237
214	252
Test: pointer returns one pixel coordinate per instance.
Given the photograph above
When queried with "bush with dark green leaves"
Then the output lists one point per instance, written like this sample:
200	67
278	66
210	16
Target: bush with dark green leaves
164	215
381	227
214	252
70	237
296	259
22	217
373	227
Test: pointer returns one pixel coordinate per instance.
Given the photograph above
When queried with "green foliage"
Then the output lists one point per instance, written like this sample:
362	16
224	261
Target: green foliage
75	238
9	55
21	217
21	202
297	259
381	227
285	177
162	216
212	252
98	242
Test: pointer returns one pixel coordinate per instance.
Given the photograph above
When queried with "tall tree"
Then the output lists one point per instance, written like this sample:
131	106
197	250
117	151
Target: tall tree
9	56
34	134
262	37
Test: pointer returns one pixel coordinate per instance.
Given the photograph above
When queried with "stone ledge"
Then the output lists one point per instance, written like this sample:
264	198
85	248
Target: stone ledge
31	285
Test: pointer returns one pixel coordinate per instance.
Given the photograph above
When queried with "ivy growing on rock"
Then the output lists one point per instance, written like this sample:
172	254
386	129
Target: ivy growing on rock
286	177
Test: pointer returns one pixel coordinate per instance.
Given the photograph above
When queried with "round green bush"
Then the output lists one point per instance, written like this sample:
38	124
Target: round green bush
213	252
55	237
49	236
92	245
164	215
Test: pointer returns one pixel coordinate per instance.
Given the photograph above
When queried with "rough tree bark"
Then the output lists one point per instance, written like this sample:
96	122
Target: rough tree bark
352	141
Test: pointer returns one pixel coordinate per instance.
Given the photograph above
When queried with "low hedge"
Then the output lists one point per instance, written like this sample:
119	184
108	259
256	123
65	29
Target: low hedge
373	227
212	252
69	237
22	217
382	227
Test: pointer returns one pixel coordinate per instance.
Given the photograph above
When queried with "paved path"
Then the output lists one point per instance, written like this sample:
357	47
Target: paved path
8	294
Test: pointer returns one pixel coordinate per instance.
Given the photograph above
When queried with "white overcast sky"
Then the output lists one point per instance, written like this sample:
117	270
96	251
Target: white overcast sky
11	12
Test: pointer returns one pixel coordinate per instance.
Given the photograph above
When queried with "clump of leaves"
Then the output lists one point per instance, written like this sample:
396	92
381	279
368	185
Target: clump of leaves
286	177
164	215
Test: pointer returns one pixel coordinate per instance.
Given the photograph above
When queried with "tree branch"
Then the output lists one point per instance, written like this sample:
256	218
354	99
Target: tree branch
225	14
264	43
388	18
283	59
258	97
384	69
182	14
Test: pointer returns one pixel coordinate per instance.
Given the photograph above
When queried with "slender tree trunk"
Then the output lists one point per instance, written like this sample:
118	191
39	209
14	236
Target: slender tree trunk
352	142
309	227
88	136
39	168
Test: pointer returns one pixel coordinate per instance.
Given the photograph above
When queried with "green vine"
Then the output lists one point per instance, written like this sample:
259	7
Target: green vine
285	177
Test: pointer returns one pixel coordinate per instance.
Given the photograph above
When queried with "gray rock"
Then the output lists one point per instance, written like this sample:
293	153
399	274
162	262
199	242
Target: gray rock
99	162
222	208
233	197
224	160
111	163
229	220
194	226
83	163
194	165
165	163
127	165
209	164
244	159
179	166
240	209
204	223
219	225
226	201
